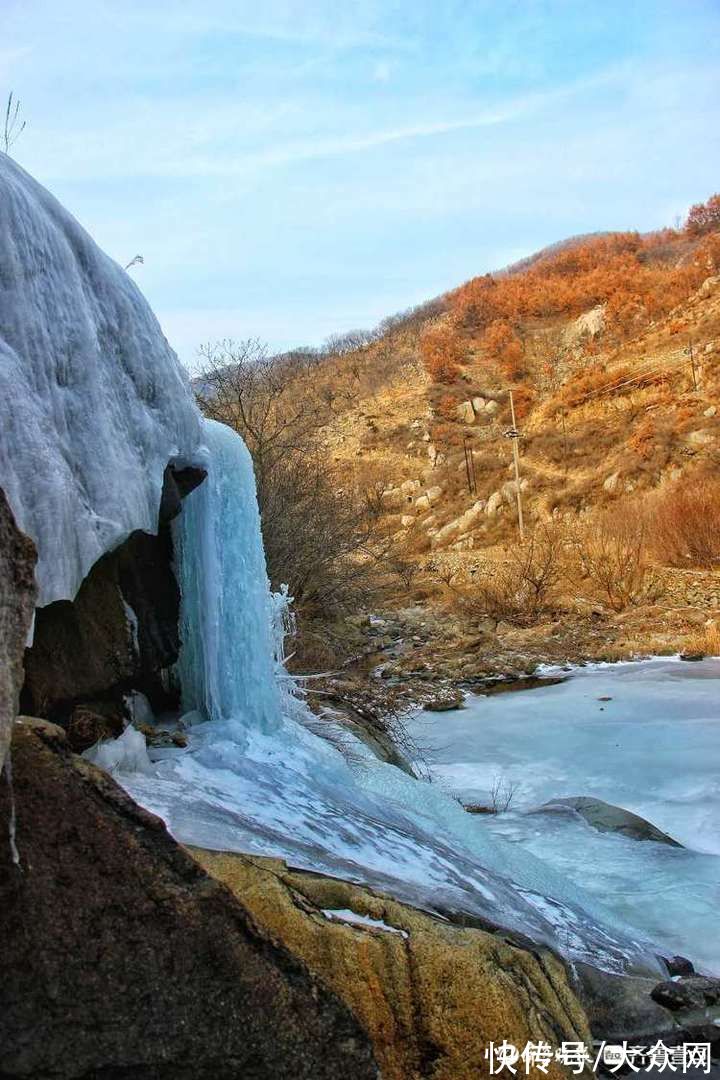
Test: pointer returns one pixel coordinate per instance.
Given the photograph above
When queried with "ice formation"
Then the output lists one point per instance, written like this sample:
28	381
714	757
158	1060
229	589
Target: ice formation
255	779
96	407
95	401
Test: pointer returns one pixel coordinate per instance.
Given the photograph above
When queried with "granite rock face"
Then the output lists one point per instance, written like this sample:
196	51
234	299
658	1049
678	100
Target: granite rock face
123	958
431	995
17	603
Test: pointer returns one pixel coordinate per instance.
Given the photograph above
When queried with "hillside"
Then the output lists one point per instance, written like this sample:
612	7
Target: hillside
599	418
610	346
386	473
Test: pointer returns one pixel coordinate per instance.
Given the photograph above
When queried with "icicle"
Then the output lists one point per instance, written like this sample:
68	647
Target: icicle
12	825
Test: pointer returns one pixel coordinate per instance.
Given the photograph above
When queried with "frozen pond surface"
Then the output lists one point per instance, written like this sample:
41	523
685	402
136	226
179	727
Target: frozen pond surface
653	748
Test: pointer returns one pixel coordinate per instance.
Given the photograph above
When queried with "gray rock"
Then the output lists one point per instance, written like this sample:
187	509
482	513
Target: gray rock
121	632
17	603
445	703
687	992
605	817
620	1007
680	965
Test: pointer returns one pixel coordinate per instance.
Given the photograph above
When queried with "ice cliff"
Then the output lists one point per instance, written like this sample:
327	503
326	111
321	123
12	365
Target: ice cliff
95	403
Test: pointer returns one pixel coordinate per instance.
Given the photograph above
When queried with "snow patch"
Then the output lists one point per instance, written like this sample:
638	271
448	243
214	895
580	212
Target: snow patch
348	916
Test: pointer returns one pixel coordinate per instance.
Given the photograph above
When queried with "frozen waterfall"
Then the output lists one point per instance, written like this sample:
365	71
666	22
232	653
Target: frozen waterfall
255	779
227	665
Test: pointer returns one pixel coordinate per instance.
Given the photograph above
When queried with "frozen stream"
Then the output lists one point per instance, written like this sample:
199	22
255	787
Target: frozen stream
653	748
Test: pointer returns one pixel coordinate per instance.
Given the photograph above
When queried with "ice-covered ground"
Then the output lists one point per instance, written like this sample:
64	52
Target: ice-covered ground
653	748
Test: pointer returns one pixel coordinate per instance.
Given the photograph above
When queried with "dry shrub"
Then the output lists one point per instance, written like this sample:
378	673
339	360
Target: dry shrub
522	399
612	558
642	440
523	587
710	640
601	381
682	521
447	406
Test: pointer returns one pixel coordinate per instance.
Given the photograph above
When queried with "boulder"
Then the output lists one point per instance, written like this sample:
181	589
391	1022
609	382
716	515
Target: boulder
493	504
445	702
465	413
605	817
588	325
430	994
391	498
708	287
123	958
687	992
443	535
491	408
702	437
478	404
509	490
433	494
17	604
409	487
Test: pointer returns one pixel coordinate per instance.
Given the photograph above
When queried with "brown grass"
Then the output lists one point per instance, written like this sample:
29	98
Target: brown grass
683	521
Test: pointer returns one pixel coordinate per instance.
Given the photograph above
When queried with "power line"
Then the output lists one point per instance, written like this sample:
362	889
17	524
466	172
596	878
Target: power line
650	367
640	374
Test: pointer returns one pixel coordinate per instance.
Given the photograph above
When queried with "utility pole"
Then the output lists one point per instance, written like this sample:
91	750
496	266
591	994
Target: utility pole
692	365
514	434
469	466
565	448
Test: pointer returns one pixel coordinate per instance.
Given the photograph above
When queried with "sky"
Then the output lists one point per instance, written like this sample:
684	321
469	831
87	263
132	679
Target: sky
289	170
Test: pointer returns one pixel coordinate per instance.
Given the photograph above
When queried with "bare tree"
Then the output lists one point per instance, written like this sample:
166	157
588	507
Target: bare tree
611	556
319	537
14	125
502	794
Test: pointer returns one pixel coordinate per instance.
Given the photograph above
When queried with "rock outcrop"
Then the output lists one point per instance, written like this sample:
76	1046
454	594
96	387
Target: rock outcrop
119	634
605	817
17	603
431	995
123	958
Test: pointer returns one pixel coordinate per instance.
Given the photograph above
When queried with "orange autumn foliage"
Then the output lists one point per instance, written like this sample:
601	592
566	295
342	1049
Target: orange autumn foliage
704	217
441	353
637	278
502	346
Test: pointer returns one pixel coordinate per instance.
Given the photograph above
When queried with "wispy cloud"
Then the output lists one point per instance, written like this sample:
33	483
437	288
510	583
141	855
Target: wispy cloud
292	168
